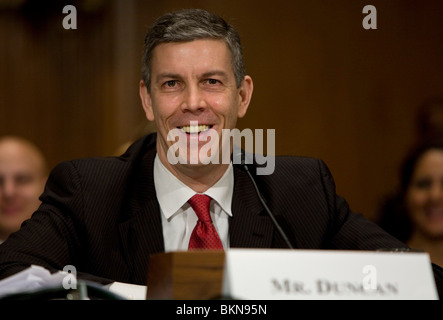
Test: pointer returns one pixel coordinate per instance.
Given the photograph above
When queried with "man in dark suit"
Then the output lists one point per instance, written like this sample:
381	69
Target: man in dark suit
106	216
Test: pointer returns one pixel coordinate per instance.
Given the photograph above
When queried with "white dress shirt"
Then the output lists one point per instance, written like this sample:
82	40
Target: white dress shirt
178	217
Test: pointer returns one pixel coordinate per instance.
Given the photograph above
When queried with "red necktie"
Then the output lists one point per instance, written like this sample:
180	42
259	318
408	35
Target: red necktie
204	235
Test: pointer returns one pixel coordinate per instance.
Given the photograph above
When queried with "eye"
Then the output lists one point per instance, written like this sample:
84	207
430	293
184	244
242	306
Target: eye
423	183
170	83
212	81
23	179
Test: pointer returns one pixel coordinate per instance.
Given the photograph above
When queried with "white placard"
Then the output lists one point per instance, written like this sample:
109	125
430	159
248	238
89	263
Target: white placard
128	290
269	274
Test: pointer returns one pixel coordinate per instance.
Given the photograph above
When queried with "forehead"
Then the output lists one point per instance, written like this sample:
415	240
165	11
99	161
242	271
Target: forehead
193	55
15	157
430	161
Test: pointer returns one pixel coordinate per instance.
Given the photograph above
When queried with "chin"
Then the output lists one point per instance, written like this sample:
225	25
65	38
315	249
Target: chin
435	234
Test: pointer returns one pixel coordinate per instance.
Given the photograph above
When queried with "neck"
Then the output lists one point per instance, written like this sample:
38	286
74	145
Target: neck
197	177
433	246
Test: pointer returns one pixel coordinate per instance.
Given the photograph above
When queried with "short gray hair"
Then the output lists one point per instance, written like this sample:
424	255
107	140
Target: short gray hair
188	25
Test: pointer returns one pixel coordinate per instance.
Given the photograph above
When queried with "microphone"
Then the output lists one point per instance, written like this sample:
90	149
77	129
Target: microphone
240	155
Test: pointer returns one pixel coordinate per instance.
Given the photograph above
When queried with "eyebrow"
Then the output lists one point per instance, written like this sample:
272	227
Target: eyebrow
214	73
168	75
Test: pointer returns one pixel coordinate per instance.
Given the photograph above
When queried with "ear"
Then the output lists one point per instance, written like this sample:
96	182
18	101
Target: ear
245	92
145	97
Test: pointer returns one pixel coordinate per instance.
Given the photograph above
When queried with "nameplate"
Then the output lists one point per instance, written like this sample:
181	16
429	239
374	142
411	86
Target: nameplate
256	274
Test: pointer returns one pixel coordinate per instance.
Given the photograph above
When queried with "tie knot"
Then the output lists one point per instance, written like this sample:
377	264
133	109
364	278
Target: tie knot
200	203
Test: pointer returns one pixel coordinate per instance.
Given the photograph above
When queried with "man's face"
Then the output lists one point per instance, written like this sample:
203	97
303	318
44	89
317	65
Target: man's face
193	81
21	183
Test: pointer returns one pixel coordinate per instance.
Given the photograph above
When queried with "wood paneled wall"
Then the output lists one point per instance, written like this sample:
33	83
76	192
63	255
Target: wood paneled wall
330	88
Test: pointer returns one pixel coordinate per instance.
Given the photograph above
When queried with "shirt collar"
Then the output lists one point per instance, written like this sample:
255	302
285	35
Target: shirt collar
172	194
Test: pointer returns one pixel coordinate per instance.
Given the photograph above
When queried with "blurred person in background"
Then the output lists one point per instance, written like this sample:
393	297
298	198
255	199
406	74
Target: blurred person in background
414	214
23	173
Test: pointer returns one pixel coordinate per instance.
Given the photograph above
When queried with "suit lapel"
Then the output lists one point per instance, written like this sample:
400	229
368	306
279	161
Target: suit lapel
141	228
250	226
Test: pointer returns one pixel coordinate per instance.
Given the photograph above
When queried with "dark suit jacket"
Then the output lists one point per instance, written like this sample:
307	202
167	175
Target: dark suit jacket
102	216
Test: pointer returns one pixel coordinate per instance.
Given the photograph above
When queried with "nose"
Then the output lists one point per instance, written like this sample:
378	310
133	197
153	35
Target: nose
437	192
193	99
8	188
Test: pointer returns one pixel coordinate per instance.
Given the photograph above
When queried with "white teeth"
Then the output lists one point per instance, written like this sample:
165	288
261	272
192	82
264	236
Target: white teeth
195	129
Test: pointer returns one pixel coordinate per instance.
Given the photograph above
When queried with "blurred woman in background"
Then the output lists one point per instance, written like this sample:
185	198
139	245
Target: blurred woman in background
415	213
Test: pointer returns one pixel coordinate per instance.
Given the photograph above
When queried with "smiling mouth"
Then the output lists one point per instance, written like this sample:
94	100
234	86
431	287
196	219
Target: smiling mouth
434	213
10	210
190	129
